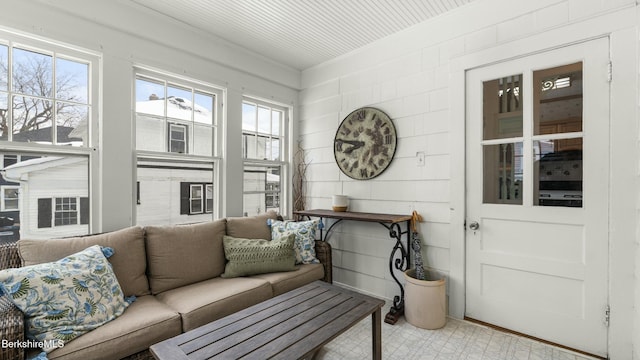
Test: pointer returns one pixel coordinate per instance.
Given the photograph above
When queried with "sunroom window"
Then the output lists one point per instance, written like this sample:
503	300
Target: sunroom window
177	146
264	142
49	95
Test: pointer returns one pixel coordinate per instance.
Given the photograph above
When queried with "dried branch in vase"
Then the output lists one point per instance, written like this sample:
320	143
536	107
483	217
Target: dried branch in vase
299	179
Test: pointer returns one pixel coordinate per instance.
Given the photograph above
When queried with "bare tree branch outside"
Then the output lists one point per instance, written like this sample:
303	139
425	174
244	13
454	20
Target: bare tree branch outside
46	92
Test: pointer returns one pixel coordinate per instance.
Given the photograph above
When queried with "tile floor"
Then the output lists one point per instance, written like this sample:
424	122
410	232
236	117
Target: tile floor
459	339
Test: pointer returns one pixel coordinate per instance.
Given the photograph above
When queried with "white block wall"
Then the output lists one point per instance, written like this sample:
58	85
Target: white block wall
417	77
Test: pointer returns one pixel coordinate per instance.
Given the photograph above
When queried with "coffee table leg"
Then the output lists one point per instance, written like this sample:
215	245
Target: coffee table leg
376	326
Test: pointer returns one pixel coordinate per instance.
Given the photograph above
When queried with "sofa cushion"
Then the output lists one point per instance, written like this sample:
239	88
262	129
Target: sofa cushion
281	282
129	261
145	322
67	298
184	254
210	300
254	227
252	256
305	231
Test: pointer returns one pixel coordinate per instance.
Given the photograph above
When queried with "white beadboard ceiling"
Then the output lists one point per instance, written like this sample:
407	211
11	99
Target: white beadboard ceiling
301	33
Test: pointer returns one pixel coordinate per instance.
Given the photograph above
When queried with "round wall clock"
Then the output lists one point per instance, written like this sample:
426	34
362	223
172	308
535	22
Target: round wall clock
365	143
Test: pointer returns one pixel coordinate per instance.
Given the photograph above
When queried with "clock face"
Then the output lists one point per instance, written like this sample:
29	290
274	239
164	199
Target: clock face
365	143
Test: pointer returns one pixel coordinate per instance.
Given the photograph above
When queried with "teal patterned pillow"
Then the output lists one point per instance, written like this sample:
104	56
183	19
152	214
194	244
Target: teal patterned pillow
64	299
305	231
257	256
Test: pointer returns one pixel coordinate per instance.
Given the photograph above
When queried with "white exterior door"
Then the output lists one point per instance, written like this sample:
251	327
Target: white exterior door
537	195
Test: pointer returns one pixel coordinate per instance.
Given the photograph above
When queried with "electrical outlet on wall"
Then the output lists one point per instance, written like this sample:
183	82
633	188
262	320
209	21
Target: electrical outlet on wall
420	158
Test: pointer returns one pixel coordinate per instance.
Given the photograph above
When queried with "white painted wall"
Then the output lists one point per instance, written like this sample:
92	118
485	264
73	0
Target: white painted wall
127	35
417	77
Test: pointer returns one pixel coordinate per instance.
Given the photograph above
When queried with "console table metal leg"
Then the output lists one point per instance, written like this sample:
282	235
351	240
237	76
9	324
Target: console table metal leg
399	260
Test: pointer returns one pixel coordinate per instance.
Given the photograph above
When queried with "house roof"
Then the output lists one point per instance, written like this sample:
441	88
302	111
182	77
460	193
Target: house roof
17	171
44	135
177	108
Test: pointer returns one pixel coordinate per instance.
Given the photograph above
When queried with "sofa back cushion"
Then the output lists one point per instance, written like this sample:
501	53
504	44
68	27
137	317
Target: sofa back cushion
128	261
254	227
184	254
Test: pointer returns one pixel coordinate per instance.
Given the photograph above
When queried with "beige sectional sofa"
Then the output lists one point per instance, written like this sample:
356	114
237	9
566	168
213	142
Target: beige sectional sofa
174	273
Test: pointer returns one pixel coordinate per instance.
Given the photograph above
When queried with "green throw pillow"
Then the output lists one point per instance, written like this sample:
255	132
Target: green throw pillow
64	299
256	256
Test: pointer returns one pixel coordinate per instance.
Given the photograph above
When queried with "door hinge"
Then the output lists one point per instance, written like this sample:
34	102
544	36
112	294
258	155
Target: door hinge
609	71
607	315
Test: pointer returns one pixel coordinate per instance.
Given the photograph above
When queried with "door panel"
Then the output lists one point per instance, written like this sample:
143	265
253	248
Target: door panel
537	186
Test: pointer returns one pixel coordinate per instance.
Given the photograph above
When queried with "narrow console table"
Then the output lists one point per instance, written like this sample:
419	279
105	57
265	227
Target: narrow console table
399	258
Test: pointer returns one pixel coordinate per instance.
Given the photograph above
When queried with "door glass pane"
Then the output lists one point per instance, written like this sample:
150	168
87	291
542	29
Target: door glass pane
558	100
502	106
502	174
558	169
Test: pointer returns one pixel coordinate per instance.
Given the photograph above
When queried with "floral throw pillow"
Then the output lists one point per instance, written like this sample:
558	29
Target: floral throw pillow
64	299
305	243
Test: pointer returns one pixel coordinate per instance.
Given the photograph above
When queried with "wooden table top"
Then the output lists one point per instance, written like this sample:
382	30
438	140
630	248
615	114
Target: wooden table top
290	326
354	215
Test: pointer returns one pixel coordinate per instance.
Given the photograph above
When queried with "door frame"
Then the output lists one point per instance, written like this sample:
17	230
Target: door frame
459	69
623	149
586	271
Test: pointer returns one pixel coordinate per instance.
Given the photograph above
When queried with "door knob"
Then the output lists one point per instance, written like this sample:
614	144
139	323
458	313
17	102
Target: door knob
474	226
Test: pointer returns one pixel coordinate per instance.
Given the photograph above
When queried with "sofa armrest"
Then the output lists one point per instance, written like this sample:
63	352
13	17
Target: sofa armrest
11	318
323	253
11	330
9	256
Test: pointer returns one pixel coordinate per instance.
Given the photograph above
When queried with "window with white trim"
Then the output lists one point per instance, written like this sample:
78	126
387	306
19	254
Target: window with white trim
10	197
197	198
49	95
264	142
66	211
62	211
177	139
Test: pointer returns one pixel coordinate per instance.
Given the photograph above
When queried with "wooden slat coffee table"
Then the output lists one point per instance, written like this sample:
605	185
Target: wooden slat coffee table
293	325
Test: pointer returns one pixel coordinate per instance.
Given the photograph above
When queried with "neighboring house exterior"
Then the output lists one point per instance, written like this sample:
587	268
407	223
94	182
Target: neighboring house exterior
173	192
169	194
11	189
258	180
54	196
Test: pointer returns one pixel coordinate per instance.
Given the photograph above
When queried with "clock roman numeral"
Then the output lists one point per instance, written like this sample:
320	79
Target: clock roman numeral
388	139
